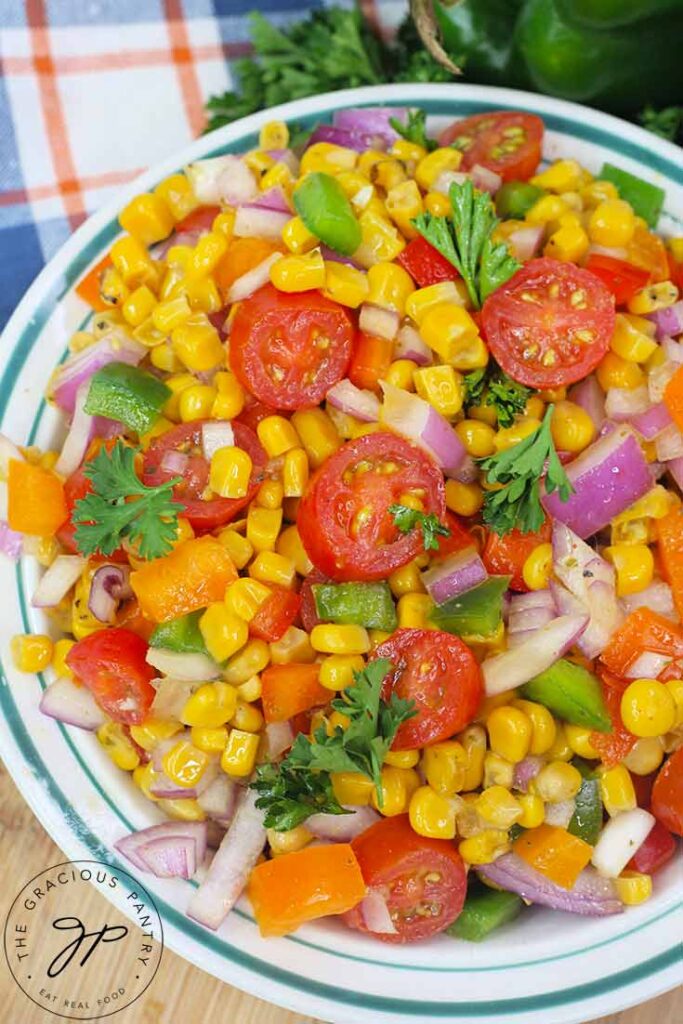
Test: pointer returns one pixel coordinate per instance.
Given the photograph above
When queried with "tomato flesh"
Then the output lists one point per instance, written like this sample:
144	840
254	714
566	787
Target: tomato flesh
203	515
655	852
440	674
344	518
667	794
425	264
506	555
614	746
111	664
621	278
422	880
275	615
507	142
288	350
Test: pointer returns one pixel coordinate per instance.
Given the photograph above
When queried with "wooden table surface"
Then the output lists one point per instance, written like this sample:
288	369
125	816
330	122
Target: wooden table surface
179	991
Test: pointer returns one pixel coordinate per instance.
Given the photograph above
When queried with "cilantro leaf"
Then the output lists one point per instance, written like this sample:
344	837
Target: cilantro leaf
406	519
415	129
492	386
106	516
667	123
290	795
475	383
517	504
464	238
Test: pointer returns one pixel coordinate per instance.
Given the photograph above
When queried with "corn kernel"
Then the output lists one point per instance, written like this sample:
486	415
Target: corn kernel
506	438
60	651
144	778
404	203
442	387
195	403
560	750
630	342
381	241
247	717
451	332
406	580
616	790
239	756
177	194
230	472
561	176
673	686
318	434
113	289
546	210
431	166
248	662
413	610
653	297
510	732
181	809
147	218
389	286
245	596
538	567
237	546
498	771
297	237
477	437
229	401
437	204
645	756
139	305
346	285
337	671
340	639
291	841
224	632
118	746
395	791
152	731
328	158
402	758
210	740
295	473
473	740
485	847
31	652
533	810
498	807
634	564
271	567
612	223
648	708
133	262
211	705
352	788
556	781
263	527
572	428
464	499
299	273
431	814
633	888
615	372
579	739
185	764
289	545
277	435
569	243
197	344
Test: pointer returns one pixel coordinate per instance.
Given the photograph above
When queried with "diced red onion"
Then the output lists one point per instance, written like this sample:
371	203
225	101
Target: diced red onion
675	467
285	156
109	586
590	396
524	243
419	421
673	350
544	647
624	403
216	434
8	452
144	850
230	868
534	599
342	828
560	813
468	472
193	667
373	120
616	252
668	321
651	423
658	379
11	542
647	665
254	279
485	179
356	140
409	345
621	838
353	401
590	896
375	913
592	581
79	368
175	462
219	799
526	770
442	183
222	179
330	256
254	222
458	573
279	737
378	321
165	788
273	199
171	696
74	705
78	438
530	618
669	444
57	580
607	477
657	597
163	746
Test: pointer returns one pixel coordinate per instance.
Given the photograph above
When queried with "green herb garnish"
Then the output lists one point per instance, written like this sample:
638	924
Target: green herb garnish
406	519
667	123
493	387
120	507
415	129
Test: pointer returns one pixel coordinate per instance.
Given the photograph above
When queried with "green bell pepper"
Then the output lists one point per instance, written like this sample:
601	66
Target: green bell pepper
514	199
586	822
645	198
572	693
327	213
476	613
613	13
484	911
181	635
481	34
358	604
122	392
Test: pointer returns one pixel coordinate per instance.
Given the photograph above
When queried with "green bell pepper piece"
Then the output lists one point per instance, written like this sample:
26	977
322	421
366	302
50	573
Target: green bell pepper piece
358	604
484	911
599	14
515	198
480	32
122	392
477	612
327	213
586	822
181	635
645	198
572	693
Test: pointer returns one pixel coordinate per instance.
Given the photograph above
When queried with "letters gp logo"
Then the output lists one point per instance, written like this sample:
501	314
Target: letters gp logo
74	952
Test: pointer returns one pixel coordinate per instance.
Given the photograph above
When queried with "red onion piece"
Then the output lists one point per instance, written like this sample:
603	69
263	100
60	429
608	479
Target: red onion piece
379	321
657	597
79	368
356	140
669	444
222	179
651	423
534	599
590	396
193	667
624	403
591	895
592	581
342	828
530	618
8	451
273	199
134	845
216	434
175	462
658	378
72	704
170	856
353	401
11	542
57	580
108	588
485	179
254	222
279	737
542	649
607	477
219	799
526	770
668	321
468	472
675	467
417	420
525	243
560	813
254	279
164	788
647	665
673	350
171	696
409	345
442	183
230	868
374	120
375	913
458	573
330	256
78	438
621	838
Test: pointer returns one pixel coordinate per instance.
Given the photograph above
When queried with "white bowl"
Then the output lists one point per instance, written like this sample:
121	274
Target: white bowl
545	967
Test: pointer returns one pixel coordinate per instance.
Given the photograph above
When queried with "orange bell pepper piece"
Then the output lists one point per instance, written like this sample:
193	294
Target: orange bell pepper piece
36	503
242	256
647	250
287	690
615	745
643	630
193	575
670	538
297	887
673	398
554	852
370	361
88	288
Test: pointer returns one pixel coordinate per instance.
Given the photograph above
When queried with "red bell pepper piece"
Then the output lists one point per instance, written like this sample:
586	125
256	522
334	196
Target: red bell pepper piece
615	745
276	615
642	631
655	852
425	264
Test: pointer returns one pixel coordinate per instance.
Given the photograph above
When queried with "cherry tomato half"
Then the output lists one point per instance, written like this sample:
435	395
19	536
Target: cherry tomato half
505	556
425	264
111	664
667	794
422	880
655	852
289	349
309	615
187	439
506	142
76	487
621	278
550	324
437	671
344	518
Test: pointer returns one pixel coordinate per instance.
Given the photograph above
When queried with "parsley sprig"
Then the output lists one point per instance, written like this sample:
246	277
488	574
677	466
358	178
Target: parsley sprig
492	386
415	129
300	785
406	519
120	507
464	238
517	504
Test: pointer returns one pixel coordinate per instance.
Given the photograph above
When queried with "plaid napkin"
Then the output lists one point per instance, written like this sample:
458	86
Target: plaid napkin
94	91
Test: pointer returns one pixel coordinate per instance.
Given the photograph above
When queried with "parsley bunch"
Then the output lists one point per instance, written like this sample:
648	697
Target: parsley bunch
120	507
517	505
406	519
465	240
493	387
300	785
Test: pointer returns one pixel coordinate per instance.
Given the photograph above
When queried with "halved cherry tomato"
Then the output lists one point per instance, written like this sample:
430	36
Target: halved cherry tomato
253	412
77	486
275	615
309	615
289	349
506	142
187	438
621	278
667	794
505	556
643	630
550	324
344	518
615	745
199	221
422	880
655	852
437	671
111	664
425	264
